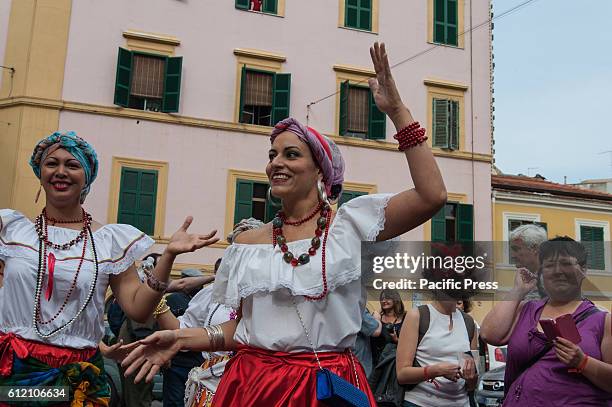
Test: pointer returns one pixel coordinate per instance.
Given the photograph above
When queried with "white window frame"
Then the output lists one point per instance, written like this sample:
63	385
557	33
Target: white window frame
606	233
508	216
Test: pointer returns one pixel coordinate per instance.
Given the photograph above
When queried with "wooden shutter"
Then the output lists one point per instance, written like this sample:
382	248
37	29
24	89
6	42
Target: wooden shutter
138	199
440	123
348	195
123	78
377	121
453	125
270	6
244	200
281	97
172	84
365	15
351	14
592	238
438	226
344	93
243	4
465	223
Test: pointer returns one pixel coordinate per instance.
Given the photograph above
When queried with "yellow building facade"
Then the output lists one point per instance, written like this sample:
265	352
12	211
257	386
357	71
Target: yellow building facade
563	210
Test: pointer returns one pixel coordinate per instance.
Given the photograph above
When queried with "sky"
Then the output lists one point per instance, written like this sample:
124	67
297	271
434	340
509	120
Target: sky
553	89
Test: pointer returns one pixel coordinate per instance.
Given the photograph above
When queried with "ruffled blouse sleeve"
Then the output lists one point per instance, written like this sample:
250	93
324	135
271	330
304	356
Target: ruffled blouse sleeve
12	228
122	246
247	269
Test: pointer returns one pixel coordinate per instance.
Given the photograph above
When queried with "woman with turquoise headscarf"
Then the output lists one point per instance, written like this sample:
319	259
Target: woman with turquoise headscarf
57	270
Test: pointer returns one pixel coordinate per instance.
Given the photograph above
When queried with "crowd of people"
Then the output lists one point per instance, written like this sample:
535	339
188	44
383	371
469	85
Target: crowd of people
285	322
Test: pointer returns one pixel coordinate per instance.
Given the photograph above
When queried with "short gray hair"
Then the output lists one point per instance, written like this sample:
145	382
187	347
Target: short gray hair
532	234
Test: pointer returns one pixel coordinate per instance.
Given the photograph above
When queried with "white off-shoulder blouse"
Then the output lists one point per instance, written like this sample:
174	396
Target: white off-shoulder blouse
117	247
257	275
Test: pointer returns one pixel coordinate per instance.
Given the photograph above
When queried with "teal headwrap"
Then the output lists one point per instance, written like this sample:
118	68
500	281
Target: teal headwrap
79	148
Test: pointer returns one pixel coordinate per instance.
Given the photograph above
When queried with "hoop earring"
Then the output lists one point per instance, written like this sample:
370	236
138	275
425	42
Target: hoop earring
322	193
270	198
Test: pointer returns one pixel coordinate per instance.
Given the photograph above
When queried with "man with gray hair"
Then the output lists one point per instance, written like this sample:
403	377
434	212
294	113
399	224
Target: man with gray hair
525	243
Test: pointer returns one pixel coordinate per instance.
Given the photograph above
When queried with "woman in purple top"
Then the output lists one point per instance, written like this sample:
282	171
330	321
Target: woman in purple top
540	373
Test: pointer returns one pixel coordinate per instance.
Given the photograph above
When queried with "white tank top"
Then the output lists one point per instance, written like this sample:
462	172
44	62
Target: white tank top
439	345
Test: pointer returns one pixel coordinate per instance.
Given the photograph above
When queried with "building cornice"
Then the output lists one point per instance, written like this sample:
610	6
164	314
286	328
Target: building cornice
160	117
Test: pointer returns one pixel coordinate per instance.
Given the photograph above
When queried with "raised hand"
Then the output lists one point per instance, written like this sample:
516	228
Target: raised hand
524	282
150	354
183	242
383	88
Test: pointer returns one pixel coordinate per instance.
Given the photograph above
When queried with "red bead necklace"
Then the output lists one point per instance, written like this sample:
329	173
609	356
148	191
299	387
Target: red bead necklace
323	224
47	262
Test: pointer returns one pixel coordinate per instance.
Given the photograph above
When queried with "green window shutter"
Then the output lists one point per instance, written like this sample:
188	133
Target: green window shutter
138	199
344	94
465	223
440	123
271	211
244	200
348	195
243	4
281	97
452	11
172	84
439	27
365	15
269	6
377	121
453	125
438	226
592	238
243	77
124	78
351	13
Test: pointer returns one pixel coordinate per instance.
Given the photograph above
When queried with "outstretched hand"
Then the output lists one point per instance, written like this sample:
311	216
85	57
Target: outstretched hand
183	242
383	88
150	354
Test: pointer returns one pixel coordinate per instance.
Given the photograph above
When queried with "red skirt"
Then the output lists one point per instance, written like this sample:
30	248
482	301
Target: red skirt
260	377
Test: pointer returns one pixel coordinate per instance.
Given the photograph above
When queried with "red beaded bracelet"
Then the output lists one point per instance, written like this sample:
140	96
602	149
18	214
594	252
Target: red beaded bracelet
581	366
410	136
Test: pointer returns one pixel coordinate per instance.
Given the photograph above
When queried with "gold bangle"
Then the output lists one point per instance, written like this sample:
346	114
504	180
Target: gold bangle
162	307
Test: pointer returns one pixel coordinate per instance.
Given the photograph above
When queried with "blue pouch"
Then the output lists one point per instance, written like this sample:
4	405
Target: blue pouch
335	391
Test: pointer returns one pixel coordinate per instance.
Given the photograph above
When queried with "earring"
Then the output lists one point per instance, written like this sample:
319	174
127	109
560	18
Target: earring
38	194
322	193
271	199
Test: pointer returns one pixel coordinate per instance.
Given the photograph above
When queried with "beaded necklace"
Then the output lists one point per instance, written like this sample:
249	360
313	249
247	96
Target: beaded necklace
323	224
47	263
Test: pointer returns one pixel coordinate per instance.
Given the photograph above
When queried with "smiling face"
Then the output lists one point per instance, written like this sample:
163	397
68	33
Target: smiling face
562	276
62	177
291	169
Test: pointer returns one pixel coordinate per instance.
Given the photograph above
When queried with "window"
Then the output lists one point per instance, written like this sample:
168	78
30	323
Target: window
251	201
592	237
148	82
359	116
348	195
445	22
264	96
265	6
445	124
137	198
358	14
454	222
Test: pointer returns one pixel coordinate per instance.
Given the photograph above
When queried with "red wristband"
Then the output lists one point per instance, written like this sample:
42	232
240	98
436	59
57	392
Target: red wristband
410	136
425	375
582	364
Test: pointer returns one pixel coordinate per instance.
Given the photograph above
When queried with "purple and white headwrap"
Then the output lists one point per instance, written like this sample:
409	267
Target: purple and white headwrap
325	152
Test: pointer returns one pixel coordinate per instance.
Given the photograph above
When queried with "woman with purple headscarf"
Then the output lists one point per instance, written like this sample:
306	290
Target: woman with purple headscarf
297	280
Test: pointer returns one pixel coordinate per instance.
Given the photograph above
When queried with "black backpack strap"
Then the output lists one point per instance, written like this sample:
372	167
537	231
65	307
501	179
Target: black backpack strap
469	324
424	318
